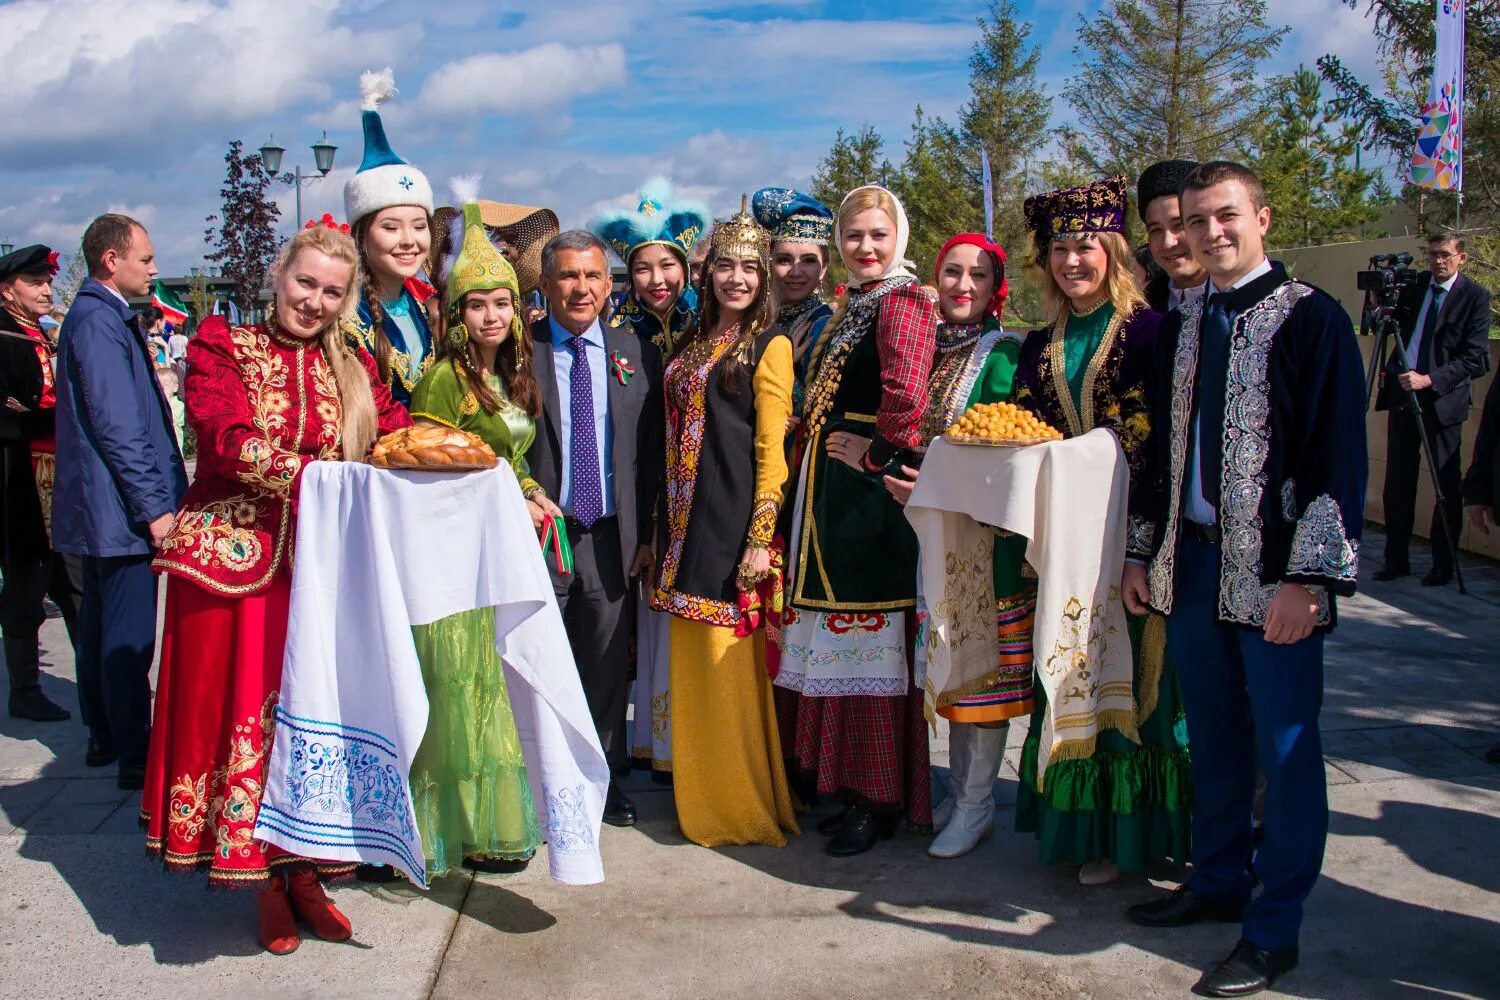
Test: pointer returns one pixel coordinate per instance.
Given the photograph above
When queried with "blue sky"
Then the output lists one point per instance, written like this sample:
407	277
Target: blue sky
129	106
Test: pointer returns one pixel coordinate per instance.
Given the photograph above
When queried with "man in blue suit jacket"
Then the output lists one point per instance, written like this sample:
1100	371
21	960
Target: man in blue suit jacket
120	478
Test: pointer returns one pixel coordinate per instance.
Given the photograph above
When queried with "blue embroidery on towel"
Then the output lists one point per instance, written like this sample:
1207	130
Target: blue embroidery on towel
568	828
338	771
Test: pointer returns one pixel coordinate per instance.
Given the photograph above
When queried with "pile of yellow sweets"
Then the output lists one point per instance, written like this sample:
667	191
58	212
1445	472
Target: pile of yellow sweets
1002	423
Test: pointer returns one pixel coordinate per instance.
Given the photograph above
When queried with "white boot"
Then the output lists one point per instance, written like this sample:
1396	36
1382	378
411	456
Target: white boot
958	756
974	814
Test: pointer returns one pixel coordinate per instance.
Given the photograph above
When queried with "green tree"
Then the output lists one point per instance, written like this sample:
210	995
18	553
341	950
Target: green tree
940	191
1006	116
1388	113
1161	79
853	160
1306	159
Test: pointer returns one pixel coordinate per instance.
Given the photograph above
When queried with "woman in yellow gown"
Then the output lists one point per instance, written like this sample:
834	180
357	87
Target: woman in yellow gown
728	397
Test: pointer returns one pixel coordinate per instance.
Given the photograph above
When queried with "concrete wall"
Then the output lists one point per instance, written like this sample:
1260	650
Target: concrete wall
1332	268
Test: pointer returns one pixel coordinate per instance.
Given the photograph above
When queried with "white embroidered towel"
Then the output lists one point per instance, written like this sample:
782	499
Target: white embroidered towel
1069	499
378	552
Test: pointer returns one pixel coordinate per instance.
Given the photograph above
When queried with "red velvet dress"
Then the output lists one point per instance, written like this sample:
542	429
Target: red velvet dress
263	405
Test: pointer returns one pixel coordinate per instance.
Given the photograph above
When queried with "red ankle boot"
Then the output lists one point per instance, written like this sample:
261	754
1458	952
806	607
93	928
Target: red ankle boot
312	904
278	928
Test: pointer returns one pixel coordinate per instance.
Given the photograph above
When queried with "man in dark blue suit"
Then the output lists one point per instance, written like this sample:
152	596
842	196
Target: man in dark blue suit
120	479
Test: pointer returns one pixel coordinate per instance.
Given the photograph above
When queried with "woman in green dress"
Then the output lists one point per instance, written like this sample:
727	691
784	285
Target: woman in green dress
976	363
468	780
1107	804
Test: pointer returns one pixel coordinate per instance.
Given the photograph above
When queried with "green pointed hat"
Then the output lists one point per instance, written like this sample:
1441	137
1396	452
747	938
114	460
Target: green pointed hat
477	266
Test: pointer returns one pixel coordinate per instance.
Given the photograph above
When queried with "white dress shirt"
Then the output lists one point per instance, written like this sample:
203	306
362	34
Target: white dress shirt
1414	345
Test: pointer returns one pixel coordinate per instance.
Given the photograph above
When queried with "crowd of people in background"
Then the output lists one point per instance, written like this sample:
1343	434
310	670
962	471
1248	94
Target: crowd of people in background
725	450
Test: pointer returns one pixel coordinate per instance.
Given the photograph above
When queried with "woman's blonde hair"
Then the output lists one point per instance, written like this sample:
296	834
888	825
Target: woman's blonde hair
859	200
359	426
1119	281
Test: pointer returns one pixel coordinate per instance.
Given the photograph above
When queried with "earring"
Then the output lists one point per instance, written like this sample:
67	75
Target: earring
458	336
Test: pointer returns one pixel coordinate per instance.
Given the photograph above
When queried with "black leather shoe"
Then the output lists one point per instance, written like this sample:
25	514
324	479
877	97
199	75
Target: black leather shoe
376	874
860	831
132	777
830	825
1387	573
1437	578
1247	970
1184	907
618	810
491	865
36	706
100	753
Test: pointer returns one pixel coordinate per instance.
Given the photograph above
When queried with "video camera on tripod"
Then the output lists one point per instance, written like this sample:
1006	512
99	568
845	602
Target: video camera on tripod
1388	272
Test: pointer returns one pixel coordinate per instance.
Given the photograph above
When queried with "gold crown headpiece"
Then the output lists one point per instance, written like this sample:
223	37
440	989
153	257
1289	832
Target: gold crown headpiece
741	236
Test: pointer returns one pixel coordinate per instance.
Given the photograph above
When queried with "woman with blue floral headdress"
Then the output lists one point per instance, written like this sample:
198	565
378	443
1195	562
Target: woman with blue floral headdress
654	241
389	204
800	228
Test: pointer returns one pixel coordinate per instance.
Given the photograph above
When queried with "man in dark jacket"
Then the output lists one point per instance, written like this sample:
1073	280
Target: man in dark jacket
599	453
1445	325
1158	200
32	571
120	478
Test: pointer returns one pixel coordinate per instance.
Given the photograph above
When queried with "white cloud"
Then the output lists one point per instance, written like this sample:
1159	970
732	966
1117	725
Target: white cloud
141	74
532	82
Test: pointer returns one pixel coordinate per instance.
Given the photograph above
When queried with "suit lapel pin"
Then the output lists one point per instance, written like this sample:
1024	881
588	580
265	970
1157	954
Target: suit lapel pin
621	368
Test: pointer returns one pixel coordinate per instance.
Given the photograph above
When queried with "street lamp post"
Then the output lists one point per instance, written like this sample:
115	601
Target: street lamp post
322	150
6	248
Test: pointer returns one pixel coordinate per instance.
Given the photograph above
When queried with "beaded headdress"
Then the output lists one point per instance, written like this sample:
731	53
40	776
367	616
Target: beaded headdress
659	218
1093	208
741	236
792	216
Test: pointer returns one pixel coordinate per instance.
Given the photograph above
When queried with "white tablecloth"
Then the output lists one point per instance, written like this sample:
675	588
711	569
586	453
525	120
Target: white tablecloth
1068	498
378	552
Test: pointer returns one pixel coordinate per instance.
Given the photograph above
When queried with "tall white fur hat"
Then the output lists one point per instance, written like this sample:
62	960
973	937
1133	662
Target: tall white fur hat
383	178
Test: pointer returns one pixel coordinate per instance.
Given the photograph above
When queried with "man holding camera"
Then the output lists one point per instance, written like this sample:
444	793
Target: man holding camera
1445	319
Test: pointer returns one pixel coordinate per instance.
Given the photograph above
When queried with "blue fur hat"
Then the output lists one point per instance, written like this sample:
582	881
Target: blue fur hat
383	178
659	218
792	216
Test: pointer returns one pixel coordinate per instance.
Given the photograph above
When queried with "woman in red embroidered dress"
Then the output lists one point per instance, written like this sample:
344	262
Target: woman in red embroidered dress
264	401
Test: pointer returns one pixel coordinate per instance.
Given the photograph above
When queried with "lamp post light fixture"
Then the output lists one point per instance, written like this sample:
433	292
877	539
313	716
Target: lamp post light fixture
322	150
6	248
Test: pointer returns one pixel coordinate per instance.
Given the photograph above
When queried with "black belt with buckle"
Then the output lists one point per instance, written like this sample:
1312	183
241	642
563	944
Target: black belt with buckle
1207	533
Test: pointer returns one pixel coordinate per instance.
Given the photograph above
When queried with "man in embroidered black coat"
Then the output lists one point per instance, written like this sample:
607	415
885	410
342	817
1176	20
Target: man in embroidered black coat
1244	530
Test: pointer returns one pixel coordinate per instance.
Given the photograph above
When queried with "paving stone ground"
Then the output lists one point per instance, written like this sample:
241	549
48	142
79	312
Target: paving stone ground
1409	905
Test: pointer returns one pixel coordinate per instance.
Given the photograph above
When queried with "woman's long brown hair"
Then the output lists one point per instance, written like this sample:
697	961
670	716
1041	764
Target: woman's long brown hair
758	317
512	364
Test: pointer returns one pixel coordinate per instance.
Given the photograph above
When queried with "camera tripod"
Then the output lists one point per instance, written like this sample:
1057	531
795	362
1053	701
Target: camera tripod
1381	316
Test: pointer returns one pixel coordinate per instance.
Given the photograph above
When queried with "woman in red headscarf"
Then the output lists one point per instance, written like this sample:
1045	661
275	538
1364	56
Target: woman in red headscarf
976	363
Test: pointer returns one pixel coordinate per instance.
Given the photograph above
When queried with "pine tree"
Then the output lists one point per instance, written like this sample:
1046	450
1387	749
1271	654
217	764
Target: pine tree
940	192
852	161
1306	161
245	242
1007	117
1162	79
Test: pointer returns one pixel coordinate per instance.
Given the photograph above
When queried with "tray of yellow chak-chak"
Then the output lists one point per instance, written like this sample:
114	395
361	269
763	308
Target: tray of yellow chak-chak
1000	425
432	449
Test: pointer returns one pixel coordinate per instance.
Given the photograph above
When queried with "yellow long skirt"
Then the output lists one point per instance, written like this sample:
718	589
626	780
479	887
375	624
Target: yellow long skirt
728	776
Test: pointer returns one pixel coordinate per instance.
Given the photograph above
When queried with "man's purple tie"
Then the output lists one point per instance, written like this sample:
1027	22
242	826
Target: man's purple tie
585	486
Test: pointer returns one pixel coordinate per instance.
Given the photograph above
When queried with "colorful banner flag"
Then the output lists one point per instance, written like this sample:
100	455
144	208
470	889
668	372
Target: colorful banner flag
989	195
170	305
1437	162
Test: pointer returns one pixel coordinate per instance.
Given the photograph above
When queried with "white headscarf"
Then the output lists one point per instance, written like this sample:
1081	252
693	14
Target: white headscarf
899	263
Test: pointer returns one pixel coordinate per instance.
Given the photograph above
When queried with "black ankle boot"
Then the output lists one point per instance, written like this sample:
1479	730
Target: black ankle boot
32	704
866	825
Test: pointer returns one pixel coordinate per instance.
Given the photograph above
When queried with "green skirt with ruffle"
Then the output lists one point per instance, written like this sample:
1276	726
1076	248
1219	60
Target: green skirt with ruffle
1126	802
468	779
